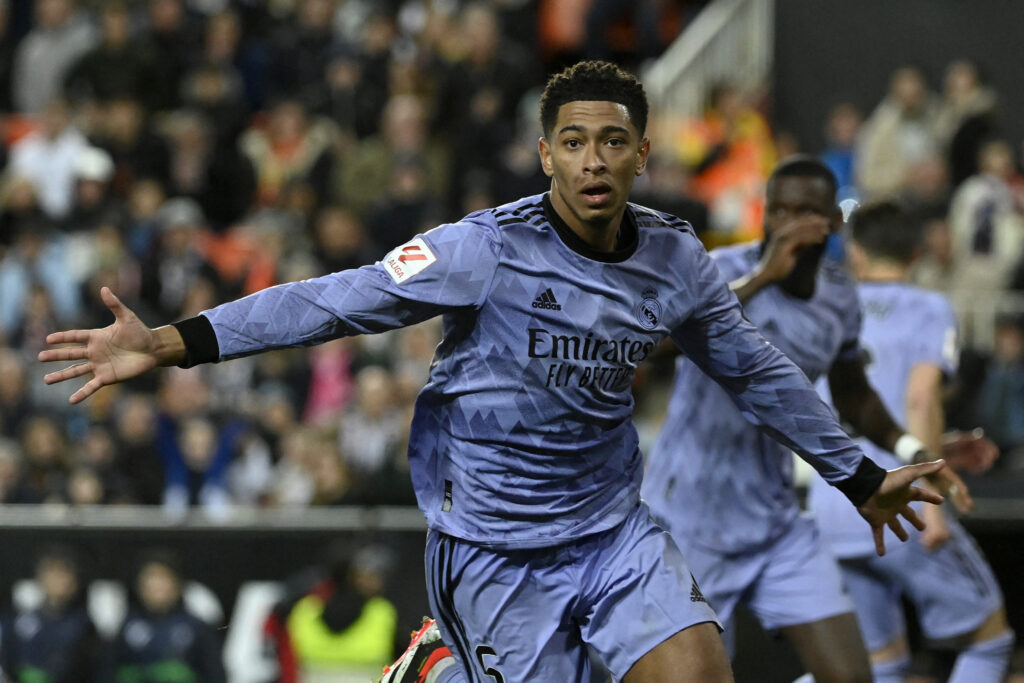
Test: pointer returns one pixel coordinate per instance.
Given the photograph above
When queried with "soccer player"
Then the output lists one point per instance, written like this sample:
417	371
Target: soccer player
523	453
722	485
910	338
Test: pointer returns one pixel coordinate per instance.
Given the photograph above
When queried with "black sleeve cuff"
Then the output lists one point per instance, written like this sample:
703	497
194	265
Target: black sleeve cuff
864	482
200	341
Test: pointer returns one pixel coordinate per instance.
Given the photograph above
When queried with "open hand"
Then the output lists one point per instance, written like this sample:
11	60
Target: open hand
122	350
893	498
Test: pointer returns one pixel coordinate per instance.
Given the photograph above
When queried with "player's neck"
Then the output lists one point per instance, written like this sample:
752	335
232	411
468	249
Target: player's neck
598	235
883	271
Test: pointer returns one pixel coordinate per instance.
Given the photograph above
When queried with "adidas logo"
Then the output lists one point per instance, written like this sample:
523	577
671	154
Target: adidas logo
695	594
547	300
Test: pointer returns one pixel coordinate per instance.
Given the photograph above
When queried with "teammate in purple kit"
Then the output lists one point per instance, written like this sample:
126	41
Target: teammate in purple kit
721	482
909	336
523	453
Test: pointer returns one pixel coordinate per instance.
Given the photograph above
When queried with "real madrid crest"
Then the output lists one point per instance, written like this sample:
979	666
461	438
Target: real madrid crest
648	311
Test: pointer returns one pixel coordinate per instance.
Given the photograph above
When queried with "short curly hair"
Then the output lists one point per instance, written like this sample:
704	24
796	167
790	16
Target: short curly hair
593	81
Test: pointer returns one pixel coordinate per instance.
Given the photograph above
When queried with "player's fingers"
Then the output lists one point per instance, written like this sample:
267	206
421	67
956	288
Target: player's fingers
918	493
910	514
113	303
898	529
921	469
68	337
879	533
86	391
68	373
64	354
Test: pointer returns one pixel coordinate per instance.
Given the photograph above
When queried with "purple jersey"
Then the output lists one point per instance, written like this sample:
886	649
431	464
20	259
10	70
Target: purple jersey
714	477
904	326
523	436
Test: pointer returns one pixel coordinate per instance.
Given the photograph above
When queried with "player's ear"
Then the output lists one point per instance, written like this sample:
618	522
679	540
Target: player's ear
642	155
544	149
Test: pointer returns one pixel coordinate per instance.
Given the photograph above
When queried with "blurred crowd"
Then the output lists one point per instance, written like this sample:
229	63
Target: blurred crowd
184	152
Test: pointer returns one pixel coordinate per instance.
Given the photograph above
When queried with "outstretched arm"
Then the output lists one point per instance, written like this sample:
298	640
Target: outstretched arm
124	349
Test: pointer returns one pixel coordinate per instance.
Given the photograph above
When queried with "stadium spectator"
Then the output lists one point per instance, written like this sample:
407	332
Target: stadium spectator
367	171
10	470
840	154
215	175
176	38
177	262
137	445
93	203
42	59
37	283
53	641
986	220
299	48
967	117
407	206
1000	406
126	133
47	158
479	94
335	622
193	447
46	456
118	65
15	398
160	637
900	132
729	151
8	43
291	147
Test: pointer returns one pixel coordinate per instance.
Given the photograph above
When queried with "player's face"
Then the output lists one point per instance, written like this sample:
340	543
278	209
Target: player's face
791	198
592	157
797	198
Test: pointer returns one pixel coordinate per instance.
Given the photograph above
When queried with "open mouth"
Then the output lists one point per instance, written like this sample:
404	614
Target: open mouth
597	194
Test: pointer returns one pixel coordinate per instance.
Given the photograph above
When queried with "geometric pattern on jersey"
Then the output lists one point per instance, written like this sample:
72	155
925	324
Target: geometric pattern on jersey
903	326
523	435
716	477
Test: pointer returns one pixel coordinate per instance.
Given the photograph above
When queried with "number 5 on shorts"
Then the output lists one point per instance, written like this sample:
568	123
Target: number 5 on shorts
487	651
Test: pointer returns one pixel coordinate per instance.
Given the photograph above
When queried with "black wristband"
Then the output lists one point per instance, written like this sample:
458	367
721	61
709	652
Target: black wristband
200	341
864	482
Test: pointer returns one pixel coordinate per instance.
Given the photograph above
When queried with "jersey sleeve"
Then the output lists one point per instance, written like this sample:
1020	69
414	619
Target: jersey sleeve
769	389
449	267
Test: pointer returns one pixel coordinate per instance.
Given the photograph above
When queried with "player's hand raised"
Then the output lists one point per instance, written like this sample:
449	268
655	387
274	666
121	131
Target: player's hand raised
783	249
125	349
893	498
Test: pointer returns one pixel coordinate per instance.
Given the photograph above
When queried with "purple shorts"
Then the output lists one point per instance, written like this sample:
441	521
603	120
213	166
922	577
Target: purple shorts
532	615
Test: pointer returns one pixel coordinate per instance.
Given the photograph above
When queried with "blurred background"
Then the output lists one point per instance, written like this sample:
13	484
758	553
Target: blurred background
184	152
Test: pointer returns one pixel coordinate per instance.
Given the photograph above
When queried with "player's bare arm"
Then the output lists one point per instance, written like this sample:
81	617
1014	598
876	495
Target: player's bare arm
859	405
124	349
